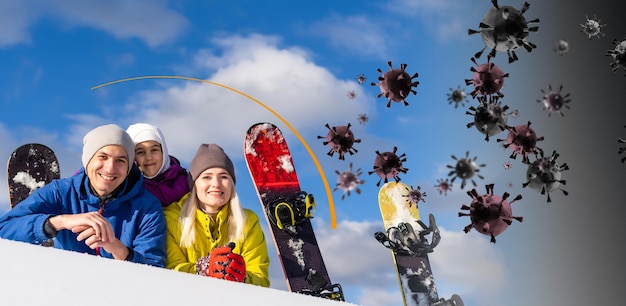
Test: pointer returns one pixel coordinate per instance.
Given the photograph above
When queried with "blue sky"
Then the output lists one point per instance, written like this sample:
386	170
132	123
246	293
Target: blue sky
302	60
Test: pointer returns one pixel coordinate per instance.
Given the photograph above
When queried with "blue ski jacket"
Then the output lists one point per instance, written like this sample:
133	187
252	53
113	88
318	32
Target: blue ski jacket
135	215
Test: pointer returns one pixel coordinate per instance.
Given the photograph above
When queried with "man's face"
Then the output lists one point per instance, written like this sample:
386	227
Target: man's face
107	169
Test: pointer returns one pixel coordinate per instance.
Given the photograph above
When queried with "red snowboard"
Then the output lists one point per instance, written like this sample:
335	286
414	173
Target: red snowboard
288	211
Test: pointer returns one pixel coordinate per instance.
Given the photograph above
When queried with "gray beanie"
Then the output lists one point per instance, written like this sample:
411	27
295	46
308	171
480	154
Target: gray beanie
210	156
104	135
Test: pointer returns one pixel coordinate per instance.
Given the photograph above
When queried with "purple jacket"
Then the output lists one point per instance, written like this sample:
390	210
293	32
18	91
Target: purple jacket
170	185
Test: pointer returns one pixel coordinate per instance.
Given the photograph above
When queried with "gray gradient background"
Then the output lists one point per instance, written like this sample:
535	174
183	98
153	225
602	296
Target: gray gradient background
581	256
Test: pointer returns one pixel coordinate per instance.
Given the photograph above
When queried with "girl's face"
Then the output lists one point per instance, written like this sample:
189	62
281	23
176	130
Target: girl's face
107	169
213	187
149	157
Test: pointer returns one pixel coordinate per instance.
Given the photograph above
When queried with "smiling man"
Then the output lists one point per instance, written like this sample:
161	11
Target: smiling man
103	209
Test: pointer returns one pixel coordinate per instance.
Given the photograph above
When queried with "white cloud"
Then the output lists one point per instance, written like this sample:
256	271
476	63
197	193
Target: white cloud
15	20
465	264
353	34
469	265
150	21
447	19
284	80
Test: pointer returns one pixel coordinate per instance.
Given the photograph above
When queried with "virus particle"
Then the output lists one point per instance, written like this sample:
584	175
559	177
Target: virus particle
592	27
561	47
352	95
415	196
360	78
622	150
487	79
341	140
490	214
457	96
507	165
522	140
544	175
388	165
619	55
465	169
362	118
348	181
553	101
443	186
504	28
489	117
396	84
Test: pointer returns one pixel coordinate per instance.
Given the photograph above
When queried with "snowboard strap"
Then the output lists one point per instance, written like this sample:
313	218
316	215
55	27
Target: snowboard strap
403	240
289	211
319	287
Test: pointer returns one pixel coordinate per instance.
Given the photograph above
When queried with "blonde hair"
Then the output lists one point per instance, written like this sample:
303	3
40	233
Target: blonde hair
236	218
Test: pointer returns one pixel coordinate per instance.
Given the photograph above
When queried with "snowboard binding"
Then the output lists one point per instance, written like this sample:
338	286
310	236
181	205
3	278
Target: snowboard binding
289	211
319	287
403	240
455	300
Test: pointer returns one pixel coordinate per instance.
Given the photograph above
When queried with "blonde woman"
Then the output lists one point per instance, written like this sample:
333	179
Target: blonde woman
208	231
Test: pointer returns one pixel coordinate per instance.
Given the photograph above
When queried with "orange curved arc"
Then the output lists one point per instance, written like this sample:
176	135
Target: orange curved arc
333	221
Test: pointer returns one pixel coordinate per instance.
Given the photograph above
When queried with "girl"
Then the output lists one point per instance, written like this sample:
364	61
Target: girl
163	174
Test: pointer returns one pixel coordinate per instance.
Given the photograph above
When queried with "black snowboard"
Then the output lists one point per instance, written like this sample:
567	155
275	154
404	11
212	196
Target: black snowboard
30	167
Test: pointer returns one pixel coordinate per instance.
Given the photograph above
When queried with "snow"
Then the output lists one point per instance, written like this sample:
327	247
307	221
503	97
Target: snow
27	180
36	275
296	247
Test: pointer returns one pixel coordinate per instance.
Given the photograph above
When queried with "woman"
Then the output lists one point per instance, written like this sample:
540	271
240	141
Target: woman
163	174
204	224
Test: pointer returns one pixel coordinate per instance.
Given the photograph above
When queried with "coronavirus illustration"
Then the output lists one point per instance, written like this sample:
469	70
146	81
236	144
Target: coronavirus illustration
544	175
490	214
362	118
490	117
505	29
522	140
592	27
465	169
487	79
352	94
561	47
553	101
348	181
414	196
396	84
618	54
457	96
507	165
360	78
341	140
622	150
388	165
443	186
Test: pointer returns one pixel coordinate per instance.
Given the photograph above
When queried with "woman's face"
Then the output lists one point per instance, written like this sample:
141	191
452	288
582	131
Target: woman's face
213	187
149	157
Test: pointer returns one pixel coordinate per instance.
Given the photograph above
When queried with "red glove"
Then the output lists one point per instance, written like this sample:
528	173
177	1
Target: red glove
223	263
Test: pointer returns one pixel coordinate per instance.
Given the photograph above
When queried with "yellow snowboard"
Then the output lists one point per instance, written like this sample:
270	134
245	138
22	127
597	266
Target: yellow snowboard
414	274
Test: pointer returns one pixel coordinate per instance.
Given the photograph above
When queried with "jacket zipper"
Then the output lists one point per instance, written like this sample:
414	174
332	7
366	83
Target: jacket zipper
100	210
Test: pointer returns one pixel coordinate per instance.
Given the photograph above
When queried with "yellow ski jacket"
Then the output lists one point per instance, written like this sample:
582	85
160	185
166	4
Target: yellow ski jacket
253	250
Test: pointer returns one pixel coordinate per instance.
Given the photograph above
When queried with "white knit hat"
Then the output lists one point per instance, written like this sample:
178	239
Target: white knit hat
104	135
140	132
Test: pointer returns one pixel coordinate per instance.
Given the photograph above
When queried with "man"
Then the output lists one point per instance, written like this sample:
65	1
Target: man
103	209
